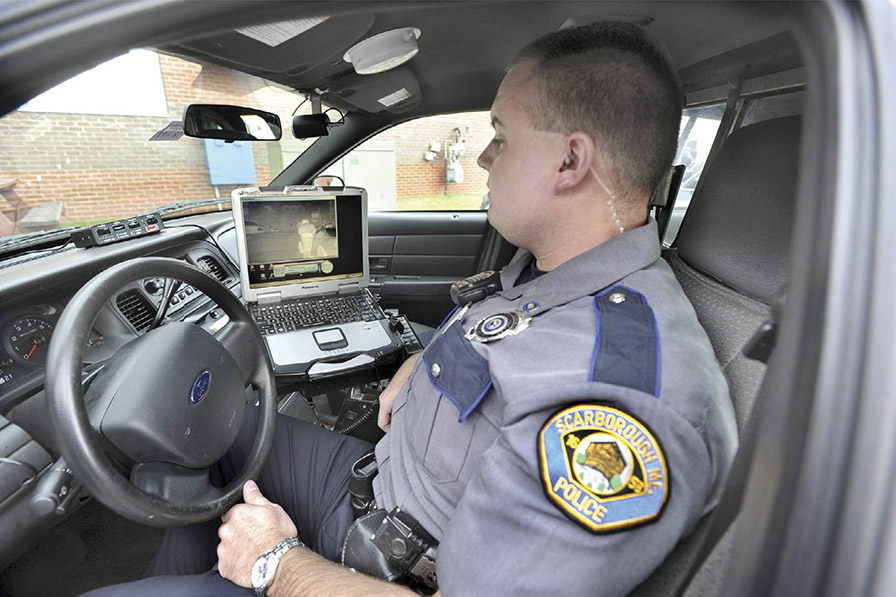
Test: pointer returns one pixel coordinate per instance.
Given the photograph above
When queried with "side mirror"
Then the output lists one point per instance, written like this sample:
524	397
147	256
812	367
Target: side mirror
231	123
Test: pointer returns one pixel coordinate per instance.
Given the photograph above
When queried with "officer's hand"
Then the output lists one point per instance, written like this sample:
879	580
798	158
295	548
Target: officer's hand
387	400
249	530
387	397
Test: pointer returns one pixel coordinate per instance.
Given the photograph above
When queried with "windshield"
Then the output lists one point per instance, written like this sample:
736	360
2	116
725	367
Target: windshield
80	153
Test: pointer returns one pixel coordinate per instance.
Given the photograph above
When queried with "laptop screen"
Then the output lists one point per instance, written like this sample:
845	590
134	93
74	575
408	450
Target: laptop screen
306	238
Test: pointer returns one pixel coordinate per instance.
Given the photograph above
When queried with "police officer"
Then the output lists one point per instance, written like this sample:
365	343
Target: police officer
561	434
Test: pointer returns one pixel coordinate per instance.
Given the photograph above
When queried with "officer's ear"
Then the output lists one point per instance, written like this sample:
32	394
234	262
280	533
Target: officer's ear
575	162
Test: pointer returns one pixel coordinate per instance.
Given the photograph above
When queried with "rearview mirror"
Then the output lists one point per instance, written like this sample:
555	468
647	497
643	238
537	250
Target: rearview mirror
231	123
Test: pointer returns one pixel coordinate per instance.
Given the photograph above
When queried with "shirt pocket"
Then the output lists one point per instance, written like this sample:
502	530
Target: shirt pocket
440	426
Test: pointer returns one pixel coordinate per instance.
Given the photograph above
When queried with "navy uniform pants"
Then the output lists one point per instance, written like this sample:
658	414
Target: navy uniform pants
306	473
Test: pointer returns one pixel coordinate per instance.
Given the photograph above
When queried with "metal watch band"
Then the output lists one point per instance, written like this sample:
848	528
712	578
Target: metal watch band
284	546
271	559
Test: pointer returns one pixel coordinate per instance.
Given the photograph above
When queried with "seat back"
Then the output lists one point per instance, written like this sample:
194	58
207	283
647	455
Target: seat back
733	250
732	259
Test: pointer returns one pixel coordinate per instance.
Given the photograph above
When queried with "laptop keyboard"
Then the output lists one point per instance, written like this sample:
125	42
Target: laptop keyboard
328	310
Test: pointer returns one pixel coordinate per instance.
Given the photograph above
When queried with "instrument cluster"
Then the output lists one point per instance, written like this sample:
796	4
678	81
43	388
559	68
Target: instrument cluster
25	342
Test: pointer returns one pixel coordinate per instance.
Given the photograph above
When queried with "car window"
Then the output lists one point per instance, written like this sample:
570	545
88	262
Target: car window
422	165
81	153
699	126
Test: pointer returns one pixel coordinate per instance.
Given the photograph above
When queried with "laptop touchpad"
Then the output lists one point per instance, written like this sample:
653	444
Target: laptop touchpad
330	339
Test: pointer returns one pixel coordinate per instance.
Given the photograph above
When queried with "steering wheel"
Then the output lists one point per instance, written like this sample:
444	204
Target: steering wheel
165	407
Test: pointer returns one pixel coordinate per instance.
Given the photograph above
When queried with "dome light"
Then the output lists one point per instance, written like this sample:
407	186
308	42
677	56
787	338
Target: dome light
384	51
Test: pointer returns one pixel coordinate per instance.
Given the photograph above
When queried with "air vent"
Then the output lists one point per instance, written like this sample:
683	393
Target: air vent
209	265
136	309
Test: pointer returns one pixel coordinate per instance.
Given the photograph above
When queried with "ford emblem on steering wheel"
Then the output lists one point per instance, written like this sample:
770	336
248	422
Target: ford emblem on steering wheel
200	387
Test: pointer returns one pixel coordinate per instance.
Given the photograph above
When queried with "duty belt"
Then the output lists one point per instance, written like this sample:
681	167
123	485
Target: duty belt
391	546
360	485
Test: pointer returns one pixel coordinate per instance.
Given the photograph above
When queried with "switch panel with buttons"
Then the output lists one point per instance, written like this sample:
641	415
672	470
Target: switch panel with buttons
112	232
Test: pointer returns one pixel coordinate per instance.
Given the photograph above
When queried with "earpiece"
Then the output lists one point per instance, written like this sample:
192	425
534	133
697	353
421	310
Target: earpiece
568	160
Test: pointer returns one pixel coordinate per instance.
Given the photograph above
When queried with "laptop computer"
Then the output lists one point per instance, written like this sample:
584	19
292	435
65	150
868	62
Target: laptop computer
304	274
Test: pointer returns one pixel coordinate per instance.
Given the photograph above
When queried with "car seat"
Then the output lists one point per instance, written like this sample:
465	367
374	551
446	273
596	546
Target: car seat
732	259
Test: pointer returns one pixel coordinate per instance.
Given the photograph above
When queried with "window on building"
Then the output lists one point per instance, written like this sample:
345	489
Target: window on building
427	164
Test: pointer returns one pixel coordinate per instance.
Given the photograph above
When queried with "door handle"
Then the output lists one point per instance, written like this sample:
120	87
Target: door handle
379	264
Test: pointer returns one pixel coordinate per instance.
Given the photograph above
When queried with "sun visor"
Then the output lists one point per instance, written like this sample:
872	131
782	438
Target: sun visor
394	90
292	47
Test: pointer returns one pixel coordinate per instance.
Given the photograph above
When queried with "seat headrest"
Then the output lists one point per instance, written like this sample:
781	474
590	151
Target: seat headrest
738	226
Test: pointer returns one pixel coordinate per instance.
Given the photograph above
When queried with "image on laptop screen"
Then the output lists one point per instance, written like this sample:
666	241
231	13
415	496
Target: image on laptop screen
302	239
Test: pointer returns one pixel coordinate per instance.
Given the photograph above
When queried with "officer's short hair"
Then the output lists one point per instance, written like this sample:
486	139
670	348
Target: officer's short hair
613	82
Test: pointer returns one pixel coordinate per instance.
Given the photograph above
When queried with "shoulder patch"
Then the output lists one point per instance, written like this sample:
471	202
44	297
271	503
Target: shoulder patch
602	467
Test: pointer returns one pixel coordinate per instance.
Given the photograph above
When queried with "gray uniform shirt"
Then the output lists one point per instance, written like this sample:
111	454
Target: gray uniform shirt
475	451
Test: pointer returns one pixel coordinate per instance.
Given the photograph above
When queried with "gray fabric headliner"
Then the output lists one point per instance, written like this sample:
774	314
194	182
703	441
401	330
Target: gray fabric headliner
466	47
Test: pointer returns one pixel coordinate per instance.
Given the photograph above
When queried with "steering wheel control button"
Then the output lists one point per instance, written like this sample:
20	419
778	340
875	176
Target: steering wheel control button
52	489
200	387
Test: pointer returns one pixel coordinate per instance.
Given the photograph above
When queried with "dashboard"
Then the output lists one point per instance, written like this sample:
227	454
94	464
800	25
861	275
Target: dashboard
34	293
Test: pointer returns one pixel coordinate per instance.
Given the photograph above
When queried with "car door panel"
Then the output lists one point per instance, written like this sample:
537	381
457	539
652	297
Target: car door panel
416	256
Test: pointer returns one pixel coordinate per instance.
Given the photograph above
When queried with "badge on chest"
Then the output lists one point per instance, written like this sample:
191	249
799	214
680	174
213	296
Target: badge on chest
497	326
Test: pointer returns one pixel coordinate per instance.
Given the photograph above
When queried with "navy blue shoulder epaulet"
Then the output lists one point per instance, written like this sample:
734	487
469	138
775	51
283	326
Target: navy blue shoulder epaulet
627	343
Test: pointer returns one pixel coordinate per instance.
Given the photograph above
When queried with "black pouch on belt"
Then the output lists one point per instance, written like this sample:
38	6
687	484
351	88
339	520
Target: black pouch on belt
360	484
393	547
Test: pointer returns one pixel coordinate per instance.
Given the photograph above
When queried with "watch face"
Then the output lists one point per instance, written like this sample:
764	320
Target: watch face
259	576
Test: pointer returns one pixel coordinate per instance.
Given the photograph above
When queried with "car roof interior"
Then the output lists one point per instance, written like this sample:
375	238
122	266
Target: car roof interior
466	49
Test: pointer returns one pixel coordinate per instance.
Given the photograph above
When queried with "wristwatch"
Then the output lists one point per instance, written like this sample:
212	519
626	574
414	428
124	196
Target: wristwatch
266	565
